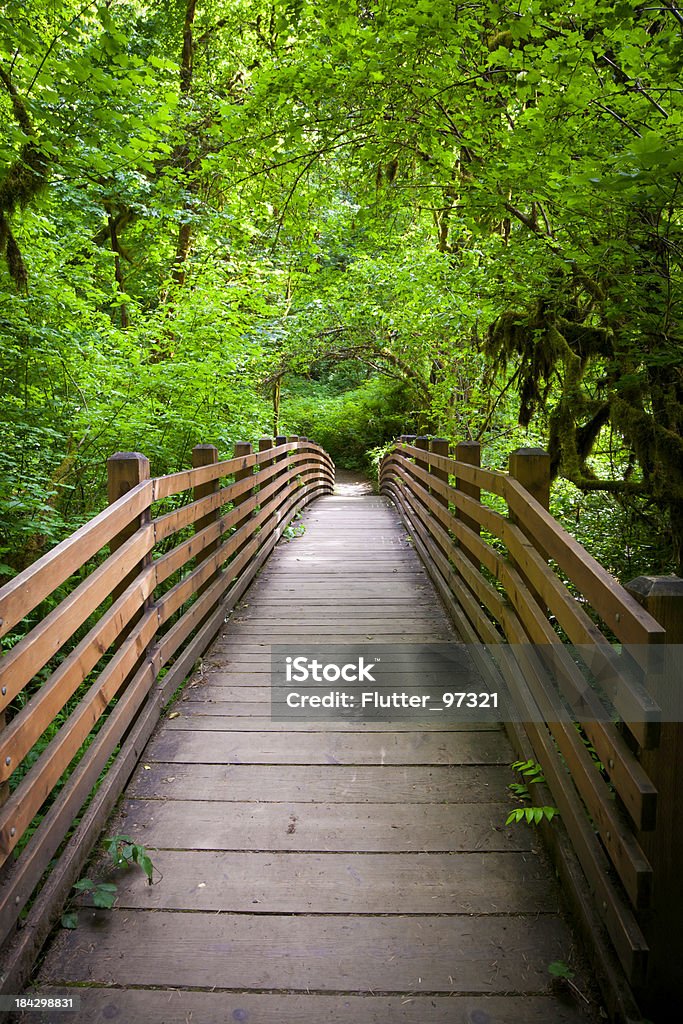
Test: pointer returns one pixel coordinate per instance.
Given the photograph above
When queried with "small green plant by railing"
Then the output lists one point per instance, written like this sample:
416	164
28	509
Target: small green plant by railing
532	771
296	529
124	852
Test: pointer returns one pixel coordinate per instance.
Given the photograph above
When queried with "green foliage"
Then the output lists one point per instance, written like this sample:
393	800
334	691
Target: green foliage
533	773
559	969
295	529
123	852
347	425
103	894
531	815
411	220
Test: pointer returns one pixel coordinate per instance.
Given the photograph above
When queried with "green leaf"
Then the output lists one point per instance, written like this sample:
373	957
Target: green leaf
84	885
559	969
104	896
147	866
70	919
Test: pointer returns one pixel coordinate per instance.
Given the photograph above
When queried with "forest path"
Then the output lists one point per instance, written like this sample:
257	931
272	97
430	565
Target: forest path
318	871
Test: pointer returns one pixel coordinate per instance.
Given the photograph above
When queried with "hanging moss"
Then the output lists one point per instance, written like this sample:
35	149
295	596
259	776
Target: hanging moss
21	183
553	345
658	449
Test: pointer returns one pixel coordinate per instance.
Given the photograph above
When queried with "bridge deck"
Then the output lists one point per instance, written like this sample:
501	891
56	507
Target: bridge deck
321	872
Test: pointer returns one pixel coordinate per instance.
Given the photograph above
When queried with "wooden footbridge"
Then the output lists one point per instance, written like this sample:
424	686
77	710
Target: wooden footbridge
324	870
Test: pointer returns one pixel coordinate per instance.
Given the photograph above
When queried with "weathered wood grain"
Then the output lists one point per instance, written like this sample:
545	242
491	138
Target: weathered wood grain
187	747
307	952
322	783
336	883
175	1006
292	825
254	716
330	871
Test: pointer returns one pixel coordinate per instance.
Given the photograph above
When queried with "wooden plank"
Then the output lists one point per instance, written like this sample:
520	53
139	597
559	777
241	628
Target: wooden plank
350	883
172	1006
317	615
224	747
308	603
372	594
21	595
379	636
247	622
223	690
304	826
215	716
488	954
325	784
425	627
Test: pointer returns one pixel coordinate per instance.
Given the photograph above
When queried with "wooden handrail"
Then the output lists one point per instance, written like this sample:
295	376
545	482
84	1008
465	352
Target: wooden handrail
22	594
143	611
493	573
619	610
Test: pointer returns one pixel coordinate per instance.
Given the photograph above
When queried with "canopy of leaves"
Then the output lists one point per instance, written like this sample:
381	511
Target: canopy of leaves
224	218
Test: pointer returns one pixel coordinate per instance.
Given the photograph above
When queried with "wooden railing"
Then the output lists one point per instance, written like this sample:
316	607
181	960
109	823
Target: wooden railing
492	570
144	587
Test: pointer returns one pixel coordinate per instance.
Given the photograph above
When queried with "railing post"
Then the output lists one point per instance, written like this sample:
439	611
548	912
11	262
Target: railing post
292	439
242	448
531	468
662	597
264	445
423	444
469	452
126	470
205	455
439	446
280	440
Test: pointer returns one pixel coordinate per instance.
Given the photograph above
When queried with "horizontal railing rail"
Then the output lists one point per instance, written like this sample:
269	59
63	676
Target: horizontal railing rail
510	574
83	686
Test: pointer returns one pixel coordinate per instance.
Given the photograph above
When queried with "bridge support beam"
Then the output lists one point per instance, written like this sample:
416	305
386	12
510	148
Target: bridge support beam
662	596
